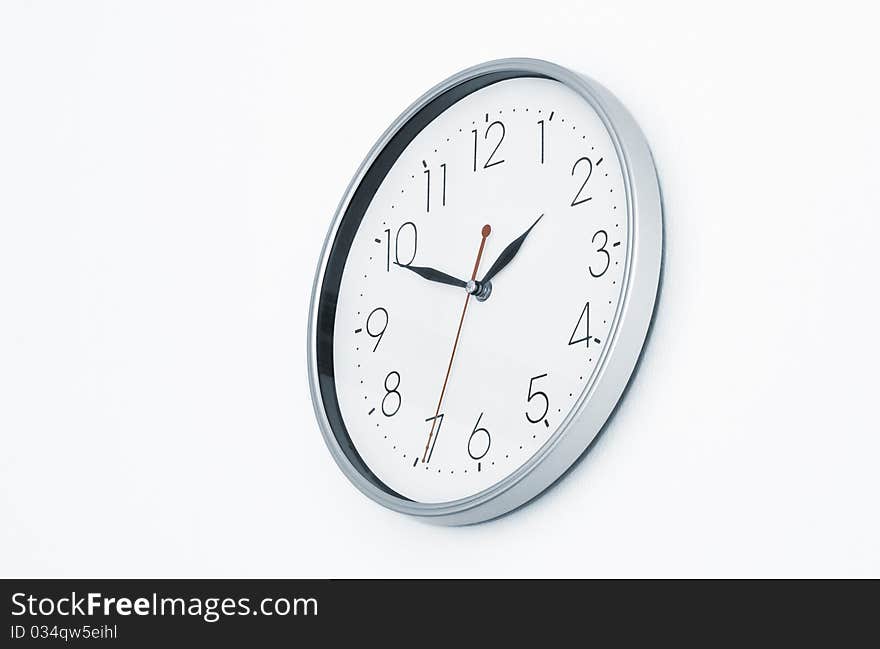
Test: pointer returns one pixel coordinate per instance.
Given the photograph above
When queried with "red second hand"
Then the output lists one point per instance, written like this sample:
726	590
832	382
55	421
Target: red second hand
486	231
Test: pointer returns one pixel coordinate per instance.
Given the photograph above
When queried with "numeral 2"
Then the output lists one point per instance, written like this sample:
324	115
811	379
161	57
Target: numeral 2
577	200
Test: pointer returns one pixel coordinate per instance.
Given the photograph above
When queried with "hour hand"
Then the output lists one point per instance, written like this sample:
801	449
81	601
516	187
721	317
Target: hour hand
434	275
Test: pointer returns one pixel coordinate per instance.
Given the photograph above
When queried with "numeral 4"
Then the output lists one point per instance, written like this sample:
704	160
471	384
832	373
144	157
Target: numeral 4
585	318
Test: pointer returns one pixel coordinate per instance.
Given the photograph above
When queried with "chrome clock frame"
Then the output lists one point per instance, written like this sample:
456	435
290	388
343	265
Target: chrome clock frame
620	356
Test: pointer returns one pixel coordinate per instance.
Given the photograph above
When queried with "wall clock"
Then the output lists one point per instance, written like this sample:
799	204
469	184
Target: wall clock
485	291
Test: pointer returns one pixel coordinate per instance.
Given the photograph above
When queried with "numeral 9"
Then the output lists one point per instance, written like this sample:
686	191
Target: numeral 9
380	320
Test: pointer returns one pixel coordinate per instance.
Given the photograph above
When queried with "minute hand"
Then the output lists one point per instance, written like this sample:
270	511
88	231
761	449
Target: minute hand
508	253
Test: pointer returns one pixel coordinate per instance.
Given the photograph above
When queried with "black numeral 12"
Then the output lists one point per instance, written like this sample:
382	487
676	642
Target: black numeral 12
498	130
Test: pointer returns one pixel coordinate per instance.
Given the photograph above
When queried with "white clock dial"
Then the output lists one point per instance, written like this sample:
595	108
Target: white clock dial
444	394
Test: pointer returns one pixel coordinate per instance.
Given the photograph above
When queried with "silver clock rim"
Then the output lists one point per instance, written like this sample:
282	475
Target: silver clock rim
632	319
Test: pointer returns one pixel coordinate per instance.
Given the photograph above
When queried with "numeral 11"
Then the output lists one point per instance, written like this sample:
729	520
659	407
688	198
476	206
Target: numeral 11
427	173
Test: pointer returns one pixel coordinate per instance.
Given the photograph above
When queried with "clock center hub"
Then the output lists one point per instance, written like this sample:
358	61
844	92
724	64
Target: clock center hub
479	290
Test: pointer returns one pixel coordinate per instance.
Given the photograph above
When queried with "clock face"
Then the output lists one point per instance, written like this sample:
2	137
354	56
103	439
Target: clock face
479	289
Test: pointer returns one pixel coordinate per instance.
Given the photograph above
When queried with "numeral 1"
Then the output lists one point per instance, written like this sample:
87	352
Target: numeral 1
541	125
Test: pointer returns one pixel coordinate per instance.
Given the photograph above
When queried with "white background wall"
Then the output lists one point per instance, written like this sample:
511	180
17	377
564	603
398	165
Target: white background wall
167	175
